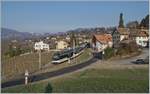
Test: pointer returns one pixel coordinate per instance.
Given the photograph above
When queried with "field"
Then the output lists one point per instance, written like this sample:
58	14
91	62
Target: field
15	67
93	80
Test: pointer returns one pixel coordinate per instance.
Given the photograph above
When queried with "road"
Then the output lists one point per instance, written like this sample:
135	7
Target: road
122	63
47	75
143	55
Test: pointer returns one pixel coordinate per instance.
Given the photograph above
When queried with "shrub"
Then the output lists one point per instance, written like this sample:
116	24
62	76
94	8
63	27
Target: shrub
13	52
48	88
16	51
109	52
127	48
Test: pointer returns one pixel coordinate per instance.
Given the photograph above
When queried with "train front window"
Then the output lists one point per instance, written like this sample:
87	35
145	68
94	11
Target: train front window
56	56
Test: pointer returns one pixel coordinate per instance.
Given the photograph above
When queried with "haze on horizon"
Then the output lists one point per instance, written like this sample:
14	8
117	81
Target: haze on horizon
50	16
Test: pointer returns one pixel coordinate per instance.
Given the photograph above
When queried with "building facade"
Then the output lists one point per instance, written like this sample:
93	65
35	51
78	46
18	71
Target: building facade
61	45
41	46
119	35
101	42
142	38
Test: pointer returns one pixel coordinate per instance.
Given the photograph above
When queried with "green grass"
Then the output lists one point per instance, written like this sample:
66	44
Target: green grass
92	81
84	56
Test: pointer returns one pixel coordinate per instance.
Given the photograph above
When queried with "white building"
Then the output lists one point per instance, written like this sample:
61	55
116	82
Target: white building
142	38
101	42
41	46
68	38
53	38
120	34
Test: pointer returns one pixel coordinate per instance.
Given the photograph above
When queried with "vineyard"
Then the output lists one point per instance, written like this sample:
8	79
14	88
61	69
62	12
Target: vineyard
16	66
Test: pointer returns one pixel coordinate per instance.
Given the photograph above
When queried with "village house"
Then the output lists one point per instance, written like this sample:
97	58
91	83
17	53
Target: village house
133	34
142	38
14	41
53	38
41	46
67	38
86	40
119	35
101	42
61	45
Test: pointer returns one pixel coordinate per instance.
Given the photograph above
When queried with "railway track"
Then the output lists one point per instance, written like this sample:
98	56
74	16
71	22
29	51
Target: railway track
42	76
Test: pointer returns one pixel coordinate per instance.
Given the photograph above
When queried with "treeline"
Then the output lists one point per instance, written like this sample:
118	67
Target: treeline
16	50
144	23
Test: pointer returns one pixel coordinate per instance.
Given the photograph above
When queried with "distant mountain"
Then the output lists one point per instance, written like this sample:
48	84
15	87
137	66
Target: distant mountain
11	34
14	34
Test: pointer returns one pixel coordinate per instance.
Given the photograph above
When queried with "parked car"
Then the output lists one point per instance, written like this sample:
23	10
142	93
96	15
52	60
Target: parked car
139	61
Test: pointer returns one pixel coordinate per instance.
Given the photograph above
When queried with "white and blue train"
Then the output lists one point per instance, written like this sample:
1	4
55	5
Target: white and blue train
65	55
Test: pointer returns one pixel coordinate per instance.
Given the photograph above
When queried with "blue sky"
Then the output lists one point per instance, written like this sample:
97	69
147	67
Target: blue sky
50	16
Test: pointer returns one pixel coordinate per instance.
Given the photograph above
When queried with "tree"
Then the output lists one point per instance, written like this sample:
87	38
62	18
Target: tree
48	88
132	24
127	48
121	22
13	51
145	22
109	52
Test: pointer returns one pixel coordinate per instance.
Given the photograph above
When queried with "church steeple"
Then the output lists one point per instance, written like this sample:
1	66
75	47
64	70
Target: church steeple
121	22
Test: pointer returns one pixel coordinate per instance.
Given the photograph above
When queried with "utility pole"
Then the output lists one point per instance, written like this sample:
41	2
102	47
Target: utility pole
74	45
69	57
39	59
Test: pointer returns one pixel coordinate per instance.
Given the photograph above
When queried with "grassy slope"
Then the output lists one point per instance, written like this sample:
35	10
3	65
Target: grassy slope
93	80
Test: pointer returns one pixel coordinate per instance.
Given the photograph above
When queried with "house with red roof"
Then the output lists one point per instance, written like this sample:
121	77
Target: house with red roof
101	42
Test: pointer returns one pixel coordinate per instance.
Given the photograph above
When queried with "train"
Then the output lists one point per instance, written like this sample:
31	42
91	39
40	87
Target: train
65	55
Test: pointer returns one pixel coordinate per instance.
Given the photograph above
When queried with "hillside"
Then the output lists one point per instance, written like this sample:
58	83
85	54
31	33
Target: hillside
9	34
